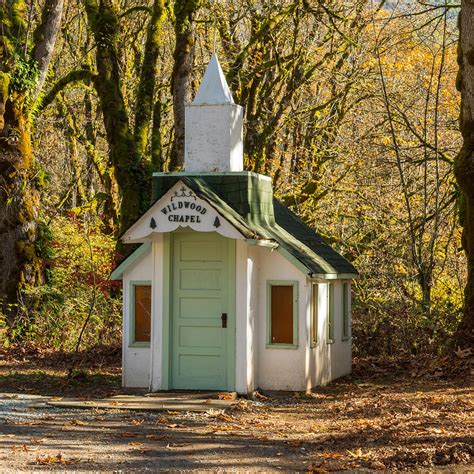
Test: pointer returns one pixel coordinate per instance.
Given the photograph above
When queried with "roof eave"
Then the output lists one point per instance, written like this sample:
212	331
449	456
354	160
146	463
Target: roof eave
118	272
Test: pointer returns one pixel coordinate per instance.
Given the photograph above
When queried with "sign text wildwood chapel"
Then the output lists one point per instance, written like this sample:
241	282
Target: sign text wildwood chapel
183	208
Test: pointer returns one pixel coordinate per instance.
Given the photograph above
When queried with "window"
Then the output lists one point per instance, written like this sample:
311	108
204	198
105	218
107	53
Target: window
140	317
330	312
282	304
345	310
314	315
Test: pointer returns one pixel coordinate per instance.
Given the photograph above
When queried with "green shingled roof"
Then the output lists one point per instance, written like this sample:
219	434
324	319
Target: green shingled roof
322	258
246	201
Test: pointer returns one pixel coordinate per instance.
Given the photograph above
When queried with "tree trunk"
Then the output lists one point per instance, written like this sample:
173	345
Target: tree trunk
45	39
182	73
130	172
146	88
464	163
20	251
21	267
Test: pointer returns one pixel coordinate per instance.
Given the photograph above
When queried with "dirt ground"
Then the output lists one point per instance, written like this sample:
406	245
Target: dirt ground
386	416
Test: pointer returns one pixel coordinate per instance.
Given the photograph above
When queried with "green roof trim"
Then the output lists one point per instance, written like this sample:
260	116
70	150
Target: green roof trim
248	193
130	260
246	200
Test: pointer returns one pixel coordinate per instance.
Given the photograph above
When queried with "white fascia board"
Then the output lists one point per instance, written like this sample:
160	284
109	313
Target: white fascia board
118	272
162	211
334	276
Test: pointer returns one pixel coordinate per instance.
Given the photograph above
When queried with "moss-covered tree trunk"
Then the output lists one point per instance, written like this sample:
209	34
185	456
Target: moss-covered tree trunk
129	169
146	88
182	73
23	68
20	265
464	164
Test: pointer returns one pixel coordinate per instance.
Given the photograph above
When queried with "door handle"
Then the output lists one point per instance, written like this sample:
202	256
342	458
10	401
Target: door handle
224	320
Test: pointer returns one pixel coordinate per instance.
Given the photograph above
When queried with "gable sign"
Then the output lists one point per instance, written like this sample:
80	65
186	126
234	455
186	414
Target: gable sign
180	207
183	208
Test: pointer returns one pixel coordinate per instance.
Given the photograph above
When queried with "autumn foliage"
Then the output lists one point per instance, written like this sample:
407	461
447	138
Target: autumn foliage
351	109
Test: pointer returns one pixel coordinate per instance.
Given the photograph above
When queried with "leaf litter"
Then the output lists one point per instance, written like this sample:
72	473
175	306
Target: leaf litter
382	418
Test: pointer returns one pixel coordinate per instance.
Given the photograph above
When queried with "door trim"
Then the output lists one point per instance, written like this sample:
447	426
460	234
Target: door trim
168	310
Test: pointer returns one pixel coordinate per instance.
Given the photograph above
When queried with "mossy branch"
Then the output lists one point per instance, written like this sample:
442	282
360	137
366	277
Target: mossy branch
135	9
146	88
73	77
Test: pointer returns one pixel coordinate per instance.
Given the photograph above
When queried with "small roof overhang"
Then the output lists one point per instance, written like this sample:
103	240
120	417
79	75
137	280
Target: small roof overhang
288	235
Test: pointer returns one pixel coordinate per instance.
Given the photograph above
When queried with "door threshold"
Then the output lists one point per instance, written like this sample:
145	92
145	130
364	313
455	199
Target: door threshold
194	394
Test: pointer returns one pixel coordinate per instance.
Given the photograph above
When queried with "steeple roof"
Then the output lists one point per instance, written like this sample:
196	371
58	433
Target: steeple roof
213	89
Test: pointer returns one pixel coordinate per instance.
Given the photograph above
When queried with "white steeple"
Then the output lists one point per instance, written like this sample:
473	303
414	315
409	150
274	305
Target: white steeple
213	89
213	126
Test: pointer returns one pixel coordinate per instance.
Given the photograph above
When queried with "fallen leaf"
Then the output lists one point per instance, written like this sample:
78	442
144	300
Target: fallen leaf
357	453
224	417
296	442
135	443
48	418
58	459
259	396
225	396
220	428
76	423
331	455
23	447
174	445
145	450
380	466
125	434
155	437
463	353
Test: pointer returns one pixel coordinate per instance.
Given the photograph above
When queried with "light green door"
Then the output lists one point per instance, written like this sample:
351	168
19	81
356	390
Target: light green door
202	350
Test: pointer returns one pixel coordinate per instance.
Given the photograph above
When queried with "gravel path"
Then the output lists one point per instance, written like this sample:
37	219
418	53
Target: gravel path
397	423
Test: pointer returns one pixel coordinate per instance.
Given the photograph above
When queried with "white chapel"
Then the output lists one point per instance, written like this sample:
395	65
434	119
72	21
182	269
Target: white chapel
229	290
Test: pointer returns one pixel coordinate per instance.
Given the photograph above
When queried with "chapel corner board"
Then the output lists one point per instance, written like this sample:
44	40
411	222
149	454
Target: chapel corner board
228	289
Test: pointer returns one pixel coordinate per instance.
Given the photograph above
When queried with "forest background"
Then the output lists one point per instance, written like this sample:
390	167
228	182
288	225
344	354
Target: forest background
350	106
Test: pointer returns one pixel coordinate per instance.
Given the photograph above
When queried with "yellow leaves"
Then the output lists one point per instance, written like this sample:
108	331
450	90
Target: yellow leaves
226	396
358	453
135	443
57	459
75	423
136	422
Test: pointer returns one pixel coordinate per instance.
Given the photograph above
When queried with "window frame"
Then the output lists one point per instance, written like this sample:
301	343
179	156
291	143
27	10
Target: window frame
345	332
270	284
131	339
314	315
330	312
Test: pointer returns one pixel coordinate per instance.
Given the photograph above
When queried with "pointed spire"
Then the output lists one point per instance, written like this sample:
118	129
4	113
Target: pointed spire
213	89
